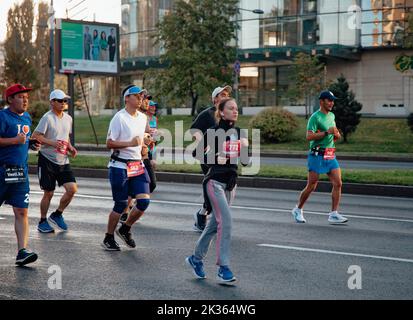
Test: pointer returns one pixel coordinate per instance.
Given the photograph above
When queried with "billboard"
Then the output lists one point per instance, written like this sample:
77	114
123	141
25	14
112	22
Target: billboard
87	47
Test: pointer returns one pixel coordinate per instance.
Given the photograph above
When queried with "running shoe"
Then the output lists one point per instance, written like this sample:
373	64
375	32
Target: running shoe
109	244
298	215
200	221
25	257
225	275
58	221
45	227
126	237
336	218
197	267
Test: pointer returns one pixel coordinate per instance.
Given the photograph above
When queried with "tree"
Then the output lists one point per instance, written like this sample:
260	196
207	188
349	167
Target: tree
345	108
196	37
410	122
408	33
308	78
41	57
19	50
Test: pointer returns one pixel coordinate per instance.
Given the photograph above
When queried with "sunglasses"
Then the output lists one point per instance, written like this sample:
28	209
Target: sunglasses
61	100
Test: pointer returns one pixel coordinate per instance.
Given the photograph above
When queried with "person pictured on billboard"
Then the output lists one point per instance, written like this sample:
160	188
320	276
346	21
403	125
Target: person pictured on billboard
112	45
87	43
103	47
95	45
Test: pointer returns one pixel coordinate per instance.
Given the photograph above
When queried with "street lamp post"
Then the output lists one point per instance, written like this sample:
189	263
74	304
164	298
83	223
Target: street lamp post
237	65
51	49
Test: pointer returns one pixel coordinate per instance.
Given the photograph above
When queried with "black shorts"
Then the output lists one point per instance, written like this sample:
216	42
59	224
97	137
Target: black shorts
49	172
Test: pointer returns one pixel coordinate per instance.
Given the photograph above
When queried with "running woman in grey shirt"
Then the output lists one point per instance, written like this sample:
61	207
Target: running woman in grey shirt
53	132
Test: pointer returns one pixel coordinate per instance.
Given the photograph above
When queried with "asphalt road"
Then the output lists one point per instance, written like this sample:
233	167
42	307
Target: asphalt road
272	257
301	162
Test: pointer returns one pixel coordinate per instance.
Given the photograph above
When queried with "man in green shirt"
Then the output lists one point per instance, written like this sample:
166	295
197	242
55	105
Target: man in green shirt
322	134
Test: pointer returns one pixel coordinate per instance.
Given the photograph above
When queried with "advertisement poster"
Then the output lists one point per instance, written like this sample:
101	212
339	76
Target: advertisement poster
88	47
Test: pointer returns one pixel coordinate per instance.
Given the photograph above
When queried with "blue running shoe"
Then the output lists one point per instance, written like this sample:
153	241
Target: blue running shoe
225	275
24	257
45	227
197	267
58	221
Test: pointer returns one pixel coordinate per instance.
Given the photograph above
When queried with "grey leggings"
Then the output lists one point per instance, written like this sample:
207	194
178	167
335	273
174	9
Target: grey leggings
220	223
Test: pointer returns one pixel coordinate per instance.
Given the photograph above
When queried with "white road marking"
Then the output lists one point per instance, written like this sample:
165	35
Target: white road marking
336	252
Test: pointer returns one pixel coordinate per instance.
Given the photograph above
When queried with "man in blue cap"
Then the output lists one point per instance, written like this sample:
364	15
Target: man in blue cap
127	173
322	134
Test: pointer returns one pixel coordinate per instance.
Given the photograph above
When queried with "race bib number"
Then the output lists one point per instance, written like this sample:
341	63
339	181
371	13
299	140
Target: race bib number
232	148
14	175
329	153
135	168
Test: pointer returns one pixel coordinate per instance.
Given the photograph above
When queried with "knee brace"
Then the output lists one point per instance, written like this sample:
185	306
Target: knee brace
120	206
142	204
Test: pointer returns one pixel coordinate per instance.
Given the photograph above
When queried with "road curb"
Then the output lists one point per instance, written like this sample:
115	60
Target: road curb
291	155
260	182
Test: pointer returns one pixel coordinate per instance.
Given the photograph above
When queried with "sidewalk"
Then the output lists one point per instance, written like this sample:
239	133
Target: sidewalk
293	154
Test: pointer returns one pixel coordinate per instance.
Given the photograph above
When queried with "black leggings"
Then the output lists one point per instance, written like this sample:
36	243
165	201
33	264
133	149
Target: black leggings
151	173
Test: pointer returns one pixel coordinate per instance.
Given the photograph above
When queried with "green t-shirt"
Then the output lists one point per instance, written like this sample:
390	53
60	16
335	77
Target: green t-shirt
320	122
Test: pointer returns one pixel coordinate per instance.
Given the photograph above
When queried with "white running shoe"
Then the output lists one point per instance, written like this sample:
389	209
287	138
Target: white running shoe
336	218
298	215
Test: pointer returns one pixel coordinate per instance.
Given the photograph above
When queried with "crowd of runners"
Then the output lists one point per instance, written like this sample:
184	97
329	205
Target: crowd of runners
132	136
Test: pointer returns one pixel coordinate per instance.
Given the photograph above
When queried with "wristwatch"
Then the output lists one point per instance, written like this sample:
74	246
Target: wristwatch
325	133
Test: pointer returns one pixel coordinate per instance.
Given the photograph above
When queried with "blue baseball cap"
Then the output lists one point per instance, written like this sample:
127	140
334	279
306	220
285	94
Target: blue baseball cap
327	95
133	90
153	103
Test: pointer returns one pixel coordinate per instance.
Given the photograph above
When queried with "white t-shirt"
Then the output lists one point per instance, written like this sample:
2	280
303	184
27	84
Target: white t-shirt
55	128
124	127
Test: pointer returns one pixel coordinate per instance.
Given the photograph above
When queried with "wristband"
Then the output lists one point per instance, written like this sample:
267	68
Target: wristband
325	133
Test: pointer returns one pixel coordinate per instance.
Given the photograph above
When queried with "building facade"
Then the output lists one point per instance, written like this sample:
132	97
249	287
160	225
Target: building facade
357	38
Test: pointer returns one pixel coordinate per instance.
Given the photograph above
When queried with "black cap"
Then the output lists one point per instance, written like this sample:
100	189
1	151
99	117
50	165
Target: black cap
327	95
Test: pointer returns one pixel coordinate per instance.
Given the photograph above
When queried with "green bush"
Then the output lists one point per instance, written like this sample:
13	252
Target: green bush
410	122
276	125
36	110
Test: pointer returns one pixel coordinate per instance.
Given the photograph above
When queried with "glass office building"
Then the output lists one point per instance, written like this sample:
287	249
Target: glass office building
337	31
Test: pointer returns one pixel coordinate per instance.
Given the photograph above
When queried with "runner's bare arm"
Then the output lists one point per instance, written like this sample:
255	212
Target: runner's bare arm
318	135
135	142
19	139
40	137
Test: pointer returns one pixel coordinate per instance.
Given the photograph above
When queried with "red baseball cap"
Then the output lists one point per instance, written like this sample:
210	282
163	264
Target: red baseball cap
16	88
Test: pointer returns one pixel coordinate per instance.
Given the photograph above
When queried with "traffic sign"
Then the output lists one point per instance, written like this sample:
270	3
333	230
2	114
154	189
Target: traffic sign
237	67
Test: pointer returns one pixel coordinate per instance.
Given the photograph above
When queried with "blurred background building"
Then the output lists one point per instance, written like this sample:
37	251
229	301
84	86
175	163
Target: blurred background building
357	38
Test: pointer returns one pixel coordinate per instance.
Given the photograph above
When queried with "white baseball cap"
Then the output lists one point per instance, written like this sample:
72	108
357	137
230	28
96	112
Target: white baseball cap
58	94
218	90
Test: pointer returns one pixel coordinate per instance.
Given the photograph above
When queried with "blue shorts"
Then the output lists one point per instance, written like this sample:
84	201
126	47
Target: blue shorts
122	186
14	194
318	165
